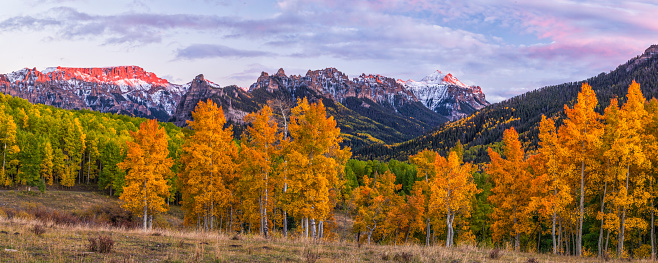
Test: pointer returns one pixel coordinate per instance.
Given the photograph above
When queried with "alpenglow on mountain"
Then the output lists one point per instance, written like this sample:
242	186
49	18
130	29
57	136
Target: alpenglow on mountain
368	108
126	90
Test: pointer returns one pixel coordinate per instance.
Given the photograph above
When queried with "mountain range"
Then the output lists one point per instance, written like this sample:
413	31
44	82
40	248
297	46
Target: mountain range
368	108
485	128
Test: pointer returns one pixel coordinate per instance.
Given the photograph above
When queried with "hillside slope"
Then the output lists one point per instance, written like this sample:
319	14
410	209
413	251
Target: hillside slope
524	112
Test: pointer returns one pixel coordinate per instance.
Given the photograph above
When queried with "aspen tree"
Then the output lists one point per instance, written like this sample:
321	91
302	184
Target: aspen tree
452	190
314	160
581	133
424	162
260	149
209	169
510	194
147	169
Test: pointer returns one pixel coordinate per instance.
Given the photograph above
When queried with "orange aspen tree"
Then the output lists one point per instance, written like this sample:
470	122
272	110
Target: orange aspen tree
510	194
453	189
424	162
581	133
147	169
314	160
627	152
374	201
209	169
552	170
260	149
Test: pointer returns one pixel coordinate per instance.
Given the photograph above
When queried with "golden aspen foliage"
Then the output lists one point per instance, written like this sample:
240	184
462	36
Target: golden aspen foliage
47	163
314	160
452	190
209	174
8	143
373	201
581	133
552	194
426	170
510	194
260	149
147	169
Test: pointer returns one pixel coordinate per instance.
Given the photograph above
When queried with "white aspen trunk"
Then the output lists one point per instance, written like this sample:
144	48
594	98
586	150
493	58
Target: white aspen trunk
559	236
623	218
265	228
88	166
212	216
605	188
579	237
150	222
427	236
313	229
260	211
321	229
285	213
653	226
145	207
448	223
212	192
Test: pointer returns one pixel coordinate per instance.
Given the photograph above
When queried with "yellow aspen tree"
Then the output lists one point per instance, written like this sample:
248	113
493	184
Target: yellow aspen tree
552	171
453	189
651	133
209	170
424	162
47	163
8	142
314	160
581	134
73	146
260	149
510	194
627	151
373	202
147	169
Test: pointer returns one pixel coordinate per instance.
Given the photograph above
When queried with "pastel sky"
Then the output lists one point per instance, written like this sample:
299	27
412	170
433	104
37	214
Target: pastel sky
507	47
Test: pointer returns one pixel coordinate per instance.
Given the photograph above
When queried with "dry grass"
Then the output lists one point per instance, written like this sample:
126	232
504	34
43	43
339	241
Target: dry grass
70	243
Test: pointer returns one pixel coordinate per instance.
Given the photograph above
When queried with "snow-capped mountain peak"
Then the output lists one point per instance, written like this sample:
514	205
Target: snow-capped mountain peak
445	94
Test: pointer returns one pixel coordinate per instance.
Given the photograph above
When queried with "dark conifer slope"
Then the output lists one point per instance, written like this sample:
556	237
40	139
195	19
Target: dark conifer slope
523	112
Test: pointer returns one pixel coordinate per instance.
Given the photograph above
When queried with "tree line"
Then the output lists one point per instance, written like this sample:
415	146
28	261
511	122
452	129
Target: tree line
587	188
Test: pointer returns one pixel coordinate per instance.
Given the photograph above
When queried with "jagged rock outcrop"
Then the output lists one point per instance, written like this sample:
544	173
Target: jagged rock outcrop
126	89
201	89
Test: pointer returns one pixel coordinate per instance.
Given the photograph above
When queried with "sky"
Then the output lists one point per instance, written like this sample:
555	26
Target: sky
507	47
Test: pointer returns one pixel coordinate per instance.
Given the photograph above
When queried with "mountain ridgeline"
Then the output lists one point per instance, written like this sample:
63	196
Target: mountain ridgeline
369	108
523	112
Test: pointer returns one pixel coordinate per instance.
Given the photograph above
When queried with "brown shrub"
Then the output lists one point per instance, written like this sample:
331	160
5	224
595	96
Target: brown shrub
403	257
38	230
494	254
103	244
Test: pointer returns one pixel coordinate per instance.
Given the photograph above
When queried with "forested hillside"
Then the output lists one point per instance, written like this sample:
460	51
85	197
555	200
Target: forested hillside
523	112
44	145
